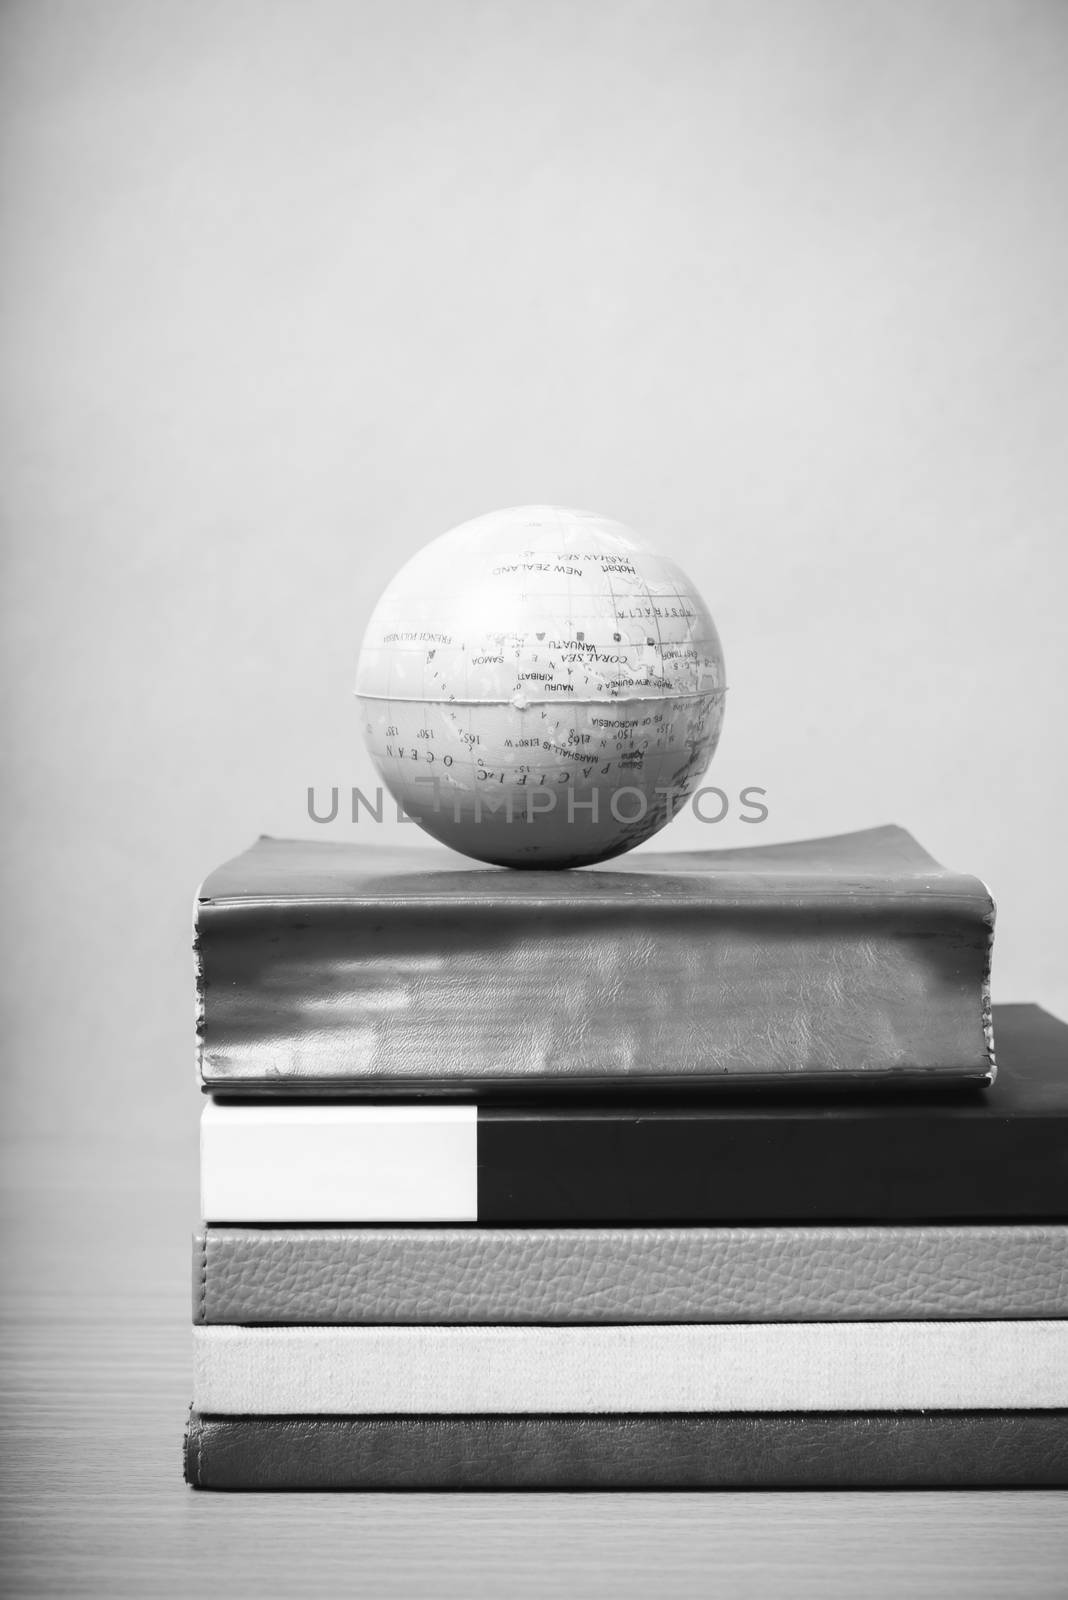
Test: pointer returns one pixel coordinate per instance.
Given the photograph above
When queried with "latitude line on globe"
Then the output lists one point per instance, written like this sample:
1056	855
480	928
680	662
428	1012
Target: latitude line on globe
544	700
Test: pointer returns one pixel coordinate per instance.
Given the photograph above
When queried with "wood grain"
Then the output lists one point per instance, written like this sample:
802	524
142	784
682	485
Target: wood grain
95	1384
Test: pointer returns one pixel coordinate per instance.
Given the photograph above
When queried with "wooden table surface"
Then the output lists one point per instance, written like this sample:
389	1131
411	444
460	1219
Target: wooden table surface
95	1374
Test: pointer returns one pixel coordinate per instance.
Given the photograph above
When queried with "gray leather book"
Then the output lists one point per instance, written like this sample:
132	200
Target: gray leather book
349	969
803	1450
630	1275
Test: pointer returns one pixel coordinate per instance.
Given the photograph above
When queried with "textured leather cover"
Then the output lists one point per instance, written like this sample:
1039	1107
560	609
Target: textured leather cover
761	1366
345	969
596	1275
1000	1156
899	1450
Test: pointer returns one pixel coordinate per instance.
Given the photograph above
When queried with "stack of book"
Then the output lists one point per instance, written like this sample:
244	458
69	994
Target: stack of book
686	1171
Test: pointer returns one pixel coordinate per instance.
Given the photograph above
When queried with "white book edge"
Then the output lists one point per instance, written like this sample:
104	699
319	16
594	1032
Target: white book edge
889	1366
338	1163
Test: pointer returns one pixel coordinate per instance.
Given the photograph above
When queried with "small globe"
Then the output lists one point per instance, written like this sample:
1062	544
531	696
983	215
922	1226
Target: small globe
540	688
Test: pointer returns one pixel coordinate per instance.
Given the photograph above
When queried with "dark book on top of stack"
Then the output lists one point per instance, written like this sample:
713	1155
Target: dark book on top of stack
343	969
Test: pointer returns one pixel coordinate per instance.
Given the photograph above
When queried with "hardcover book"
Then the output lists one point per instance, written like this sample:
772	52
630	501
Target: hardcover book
1000	1156
755	1366
799	1450
345	969
395	1275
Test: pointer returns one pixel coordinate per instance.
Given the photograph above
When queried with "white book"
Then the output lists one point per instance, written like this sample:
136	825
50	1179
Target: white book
323	1163
801	1366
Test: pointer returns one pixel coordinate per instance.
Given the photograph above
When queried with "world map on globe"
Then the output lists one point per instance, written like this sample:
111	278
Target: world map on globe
540	688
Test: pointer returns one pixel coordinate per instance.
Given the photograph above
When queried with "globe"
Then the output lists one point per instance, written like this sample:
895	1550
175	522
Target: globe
540	688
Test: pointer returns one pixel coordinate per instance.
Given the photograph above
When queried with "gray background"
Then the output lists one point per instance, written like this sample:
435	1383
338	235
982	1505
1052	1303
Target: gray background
287	290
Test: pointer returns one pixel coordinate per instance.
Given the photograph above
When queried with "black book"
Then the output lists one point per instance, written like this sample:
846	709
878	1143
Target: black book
341	969
723	1450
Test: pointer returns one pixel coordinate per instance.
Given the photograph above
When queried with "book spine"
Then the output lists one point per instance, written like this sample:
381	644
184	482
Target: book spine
631	1275
898	1450
847	1163
836	1366
334	997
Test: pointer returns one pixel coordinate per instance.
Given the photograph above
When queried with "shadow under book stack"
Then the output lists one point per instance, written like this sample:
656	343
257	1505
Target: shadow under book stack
679	1172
